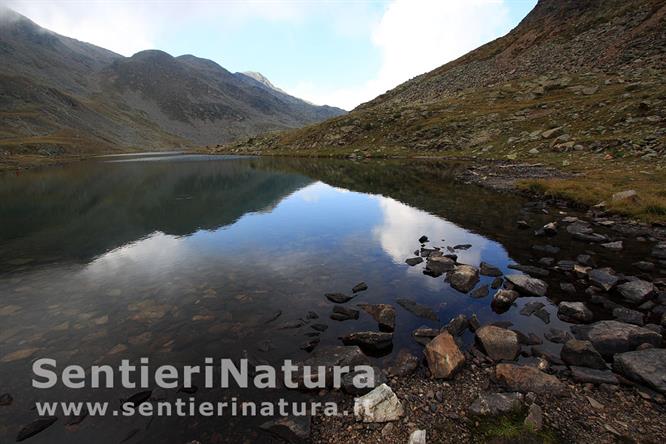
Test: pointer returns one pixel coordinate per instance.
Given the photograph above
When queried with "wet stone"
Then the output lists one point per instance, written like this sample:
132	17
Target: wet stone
384	314
338	298
582	354
603	278
413	261
629	316
574	312
360	287
486	269
369	340
528	285
636	292
480	292
463	278
557	336
405	363
344	314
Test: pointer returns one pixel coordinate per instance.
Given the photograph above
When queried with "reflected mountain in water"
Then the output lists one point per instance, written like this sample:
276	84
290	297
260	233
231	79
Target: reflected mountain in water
79	212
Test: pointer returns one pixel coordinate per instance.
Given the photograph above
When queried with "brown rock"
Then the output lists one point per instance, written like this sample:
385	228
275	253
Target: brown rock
443	356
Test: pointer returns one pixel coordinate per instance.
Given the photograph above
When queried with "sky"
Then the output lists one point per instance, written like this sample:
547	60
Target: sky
335	52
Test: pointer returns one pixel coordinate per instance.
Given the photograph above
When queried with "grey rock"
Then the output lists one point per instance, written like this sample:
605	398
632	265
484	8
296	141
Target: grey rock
603	278
557	336
457	325
659	250
525	379
530	269
636	292
645	366
504	298
613	246
582	354
528	285
531	307
360	287
576	312
370	340
611	337
417	437
413	261
344	314
437	266
495	404
480	292
534	419
405	363
338	298
594	376
629	316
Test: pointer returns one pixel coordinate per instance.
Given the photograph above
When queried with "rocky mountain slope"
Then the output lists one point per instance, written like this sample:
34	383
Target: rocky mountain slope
575	85
60	95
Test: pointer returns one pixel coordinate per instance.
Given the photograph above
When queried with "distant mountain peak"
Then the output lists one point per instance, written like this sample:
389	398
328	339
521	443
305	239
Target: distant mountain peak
259	77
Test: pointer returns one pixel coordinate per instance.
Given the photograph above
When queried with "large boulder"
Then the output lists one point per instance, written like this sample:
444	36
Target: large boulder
463	278
636	292
380	405
494	404
370	340
528	285
581	354
645	366
498	343
575	312
610	337
384	314
525	379
443	356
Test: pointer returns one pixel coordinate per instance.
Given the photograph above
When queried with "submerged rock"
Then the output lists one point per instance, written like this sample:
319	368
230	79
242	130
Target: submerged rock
463	278
338	298
495	404
369	340
486	269
330	357
413	261
384	314
480	292
645	366
611	337
443	356
344	314
380	405
35	427
498	343
417	309
360	287
528	285
530	269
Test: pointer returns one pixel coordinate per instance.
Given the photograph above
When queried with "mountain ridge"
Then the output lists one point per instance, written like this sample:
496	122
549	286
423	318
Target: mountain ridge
60	95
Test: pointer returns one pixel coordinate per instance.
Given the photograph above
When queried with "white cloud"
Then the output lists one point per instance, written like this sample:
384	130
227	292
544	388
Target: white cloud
416	36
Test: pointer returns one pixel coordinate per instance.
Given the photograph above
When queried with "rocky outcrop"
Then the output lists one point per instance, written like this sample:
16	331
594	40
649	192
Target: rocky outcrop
443	356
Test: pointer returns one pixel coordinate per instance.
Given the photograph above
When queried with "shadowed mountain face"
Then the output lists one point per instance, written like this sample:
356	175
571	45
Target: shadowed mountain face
58	94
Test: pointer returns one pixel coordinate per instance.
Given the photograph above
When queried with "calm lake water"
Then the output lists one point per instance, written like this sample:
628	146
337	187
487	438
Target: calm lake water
180	257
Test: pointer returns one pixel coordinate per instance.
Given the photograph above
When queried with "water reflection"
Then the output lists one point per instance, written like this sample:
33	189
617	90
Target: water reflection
185	257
